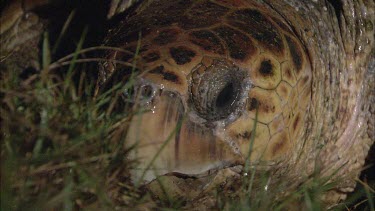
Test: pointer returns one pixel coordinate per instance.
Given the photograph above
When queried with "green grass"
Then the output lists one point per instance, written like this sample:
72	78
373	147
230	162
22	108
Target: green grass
56	145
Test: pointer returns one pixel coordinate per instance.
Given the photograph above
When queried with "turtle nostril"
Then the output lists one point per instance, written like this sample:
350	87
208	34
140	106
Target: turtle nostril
226	96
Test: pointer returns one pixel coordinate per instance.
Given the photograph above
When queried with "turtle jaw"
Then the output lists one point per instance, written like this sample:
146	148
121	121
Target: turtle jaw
166	140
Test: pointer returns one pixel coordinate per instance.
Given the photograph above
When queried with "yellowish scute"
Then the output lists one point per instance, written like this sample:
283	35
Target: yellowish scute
276	125
287	115
284	90
287	73
243	126
181	86
278	146
269	104
296	124
293	99
266	81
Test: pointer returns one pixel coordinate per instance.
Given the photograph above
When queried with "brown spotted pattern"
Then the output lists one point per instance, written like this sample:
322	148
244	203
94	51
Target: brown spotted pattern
151	57
208	41
166	36
211	12
181	55
259	27
239	45
169	76
180	39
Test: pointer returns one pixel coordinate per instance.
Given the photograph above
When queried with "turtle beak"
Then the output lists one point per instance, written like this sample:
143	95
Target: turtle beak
167	141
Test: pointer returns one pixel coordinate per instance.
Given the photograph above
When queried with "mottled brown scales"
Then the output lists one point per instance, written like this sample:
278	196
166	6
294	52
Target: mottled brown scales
157	70
151	57
296	121
305	98
280	145
123	37
293	99
245	135
266	68
239	45
284	91
265	72
276	125
211	12
231	3
207	9
165	37
181	55
124	56
134	48
263	105
267	108
207	40
167	75
287	115
259	27
288	74
252	104
282	25
304	81
159	14
295	53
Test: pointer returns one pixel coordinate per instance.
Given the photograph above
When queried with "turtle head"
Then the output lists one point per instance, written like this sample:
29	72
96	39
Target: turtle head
210	96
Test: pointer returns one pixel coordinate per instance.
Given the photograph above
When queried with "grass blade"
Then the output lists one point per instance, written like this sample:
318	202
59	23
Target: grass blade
72	63
63	30
46	52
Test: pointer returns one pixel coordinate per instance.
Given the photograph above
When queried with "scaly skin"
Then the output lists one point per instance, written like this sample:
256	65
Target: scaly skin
342	89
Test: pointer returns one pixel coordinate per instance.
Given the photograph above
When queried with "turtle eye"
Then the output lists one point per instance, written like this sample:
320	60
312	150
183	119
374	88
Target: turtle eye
142	93
146	92
216	90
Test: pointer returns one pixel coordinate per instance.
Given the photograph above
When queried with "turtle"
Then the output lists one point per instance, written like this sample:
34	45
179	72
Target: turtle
235	70
285	87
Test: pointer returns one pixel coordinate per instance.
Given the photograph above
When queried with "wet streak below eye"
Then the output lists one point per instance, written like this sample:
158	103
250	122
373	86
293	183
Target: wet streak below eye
212	147
179	118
